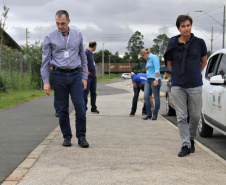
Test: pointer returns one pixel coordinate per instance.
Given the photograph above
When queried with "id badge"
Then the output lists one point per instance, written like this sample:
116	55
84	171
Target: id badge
66	54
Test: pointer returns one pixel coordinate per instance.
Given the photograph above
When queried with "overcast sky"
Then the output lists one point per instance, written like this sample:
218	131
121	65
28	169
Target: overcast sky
113	22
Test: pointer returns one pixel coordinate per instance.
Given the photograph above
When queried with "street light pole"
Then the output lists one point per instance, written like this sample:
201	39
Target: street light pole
103	61
109	66
223	25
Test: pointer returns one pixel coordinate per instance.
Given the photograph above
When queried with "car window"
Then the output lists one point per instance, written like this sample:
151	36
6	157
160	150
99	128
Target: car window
211	68
222	67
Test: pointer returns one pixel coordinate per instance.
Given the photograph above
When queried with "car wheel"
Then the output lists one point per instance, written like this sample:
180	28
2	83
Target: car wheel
204	129
169	110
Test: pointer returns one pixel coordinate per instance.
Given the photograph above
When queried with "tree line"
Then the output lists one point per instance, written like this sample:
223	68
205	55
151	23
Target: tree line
20	70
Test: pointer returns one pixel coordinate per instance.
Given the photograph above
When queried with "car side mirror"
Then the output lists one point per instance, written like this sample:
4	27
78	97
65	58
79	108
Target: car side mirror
217	80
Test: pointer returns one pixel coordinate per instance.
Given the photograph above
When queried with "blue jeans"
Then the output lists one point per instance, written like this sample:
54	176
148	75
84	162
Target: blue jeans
149	86
66	84
135	98
91	87
55	104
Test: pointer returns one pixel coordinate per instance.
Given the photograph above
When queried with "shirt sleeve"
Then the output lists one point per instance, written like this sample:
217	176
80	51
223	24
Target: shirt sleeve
83	60
156	63
46	57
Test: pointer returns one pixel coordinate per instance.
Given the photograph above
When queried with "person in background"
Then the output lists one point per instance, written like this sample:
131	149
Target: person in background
63	50
138	81
153	83
186	57
92	79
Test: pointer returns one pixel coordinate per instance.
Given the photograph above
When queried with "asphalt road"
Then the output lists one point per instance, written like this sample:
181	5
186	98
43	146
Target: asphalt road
216	143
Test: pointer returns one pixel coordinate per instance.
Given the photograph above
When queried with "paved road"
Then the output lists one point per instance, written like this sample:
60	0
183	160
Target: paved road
216	143
24	127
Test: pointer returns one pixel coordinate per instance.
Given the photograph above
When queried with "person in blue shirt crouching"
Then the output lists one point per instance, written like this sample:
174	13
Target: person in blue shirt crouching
139	80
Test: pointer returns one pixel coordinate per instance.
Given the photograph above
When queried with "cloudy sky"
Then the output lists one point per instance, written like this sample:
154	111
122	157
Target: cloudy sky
113	22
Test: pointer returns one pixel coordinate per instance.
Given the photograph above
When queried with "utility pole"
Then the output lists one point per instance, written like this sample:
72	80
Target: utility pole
109	67
223	26
103	61
212	41
27	36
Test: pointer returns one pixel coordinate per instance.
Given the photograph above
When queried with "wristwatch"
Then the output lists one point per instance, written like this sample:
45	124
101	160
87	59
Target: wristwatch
156	79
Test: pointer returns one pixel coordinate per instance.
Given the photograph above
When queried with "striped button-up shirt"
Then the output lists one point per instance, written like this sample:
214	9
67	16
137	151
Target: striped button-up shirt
53	53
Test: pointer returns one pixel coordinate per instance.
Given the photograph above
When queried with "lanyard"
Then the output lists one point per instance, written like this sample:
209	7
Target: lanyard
66	43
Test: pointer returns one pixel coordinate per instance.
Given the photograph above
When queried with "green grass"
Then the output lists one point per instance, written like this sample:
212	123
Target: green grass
12	98
106	77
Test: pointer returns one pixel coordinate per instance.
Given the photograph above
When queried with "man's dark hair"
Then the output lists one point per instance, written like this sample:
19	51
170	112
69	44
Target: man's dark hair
92	44
182	18
142	86
62	12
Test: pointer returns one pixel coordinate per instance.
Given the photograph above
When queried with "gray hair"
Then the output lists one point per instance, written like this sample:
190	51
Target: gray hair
62	12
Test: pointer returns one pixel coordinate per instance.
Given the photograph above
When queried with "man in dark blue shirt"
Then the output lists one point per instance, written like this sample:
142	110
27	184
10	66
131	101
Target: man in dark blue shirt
186	57
92	79
138	84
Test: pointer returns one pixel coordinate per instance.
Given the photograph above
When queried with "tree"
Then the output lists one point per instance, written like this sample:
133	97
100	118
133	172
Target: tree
135	44
2	29
160	45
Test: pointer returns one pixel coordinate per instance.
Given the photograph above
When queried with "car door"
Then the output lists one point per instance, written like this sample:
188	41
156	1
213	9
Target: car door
219	97
207	95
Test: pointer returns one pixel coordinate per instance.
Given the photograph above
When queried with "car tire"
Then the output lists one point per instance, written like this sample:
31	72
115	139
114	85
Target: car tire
204	129
169	110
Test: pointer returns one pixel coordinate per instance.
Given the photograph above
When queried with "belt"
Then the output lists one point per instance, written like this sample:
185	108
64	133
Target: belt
66	70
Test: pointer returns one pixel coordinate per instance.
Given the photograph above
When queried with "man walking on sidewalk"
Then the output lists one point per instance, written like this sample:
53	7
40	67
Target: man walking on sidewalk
186	57
63	50
92	79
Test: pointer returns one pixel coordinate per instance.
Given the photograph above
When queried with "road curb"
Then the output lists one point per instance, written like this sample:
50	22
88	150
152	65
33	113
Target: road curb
30	160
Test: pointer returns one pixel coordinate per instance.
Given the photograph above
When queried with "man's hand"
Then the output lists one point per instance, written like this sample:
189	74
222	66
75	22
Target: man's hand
84	82
47	89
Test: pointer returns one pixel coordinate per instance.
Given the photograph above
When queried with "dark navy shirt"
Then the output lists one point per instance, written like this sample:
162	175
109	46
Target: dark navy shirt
139	78
91	63
192	76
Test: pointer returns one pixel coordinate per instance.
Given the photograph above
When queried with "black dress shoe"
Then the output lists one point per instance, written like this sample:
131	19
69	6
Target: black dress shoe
132	113
192	146
67	142
154	117
83	143
95	111
147	117
185	150
56	114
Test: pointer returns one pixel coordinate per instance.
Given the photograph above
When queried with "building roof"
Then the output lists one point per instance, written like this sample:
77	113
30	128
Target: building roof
9	41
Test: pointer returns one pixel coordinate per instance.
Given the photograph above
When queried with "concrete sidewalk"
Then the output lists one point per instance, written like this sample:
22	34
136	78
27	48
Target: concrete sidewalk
123	150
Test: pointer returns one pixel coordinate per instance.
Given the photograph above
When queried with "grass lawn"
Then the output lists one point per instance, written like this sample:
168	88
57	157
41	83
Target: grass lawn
12	97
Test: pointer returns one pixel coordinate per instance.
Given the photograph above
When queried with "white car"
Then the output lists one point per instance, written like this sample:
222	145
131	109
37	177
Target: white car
126	76
214	95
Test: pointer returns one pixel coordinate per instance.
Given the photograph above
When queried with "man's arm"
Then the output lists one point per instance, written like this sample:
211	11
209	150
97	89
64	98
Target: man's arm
83	59
203	62
169	65
46	56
